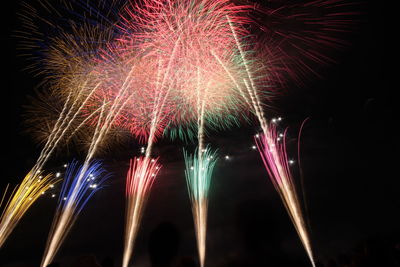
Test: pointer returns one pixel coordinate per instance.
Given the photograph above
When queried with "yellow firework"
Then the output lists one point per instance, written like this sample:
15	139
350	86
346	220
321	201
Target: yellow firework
21	198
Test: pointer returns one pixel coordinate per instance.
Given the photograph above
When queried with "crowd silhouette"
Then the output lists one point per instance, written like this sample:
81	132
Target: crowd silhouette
260	250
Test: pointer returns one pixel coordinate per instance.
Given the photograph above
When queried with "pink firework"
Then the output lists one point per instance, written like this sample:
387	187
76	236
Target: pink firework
181	38
143	110
272	147
303	34
140	178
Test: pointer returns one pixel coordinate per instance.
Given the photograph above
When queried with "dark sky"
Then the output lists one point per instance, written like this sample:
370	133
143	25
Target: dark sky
349	158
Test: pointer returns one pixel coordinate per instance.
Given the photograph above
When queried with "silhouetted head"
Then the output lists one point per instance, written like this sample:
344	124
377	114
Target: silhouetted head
331	263
86	261
107	262
163	244
188	262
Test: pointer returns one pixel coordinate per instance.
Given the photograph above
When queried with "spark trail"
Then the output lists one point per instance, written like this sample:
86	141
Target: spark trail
75	193
199	169
273	153
276	162
140	178
29	189
198	172
143	170
22	197
66	214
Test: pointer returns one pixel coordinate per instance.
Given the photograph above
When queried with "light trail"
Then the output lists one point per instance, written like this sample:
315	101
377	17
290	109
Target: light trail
198	172
140	178
74	195
275	159
18	202
276	162
21	199
68	212
143	171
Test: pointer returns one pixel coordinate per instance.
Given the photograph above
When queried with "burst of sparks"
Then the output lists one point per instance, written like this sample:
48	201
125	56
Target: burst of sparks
74	195
140	178
277	164
272	151
199	169
142	65
21	198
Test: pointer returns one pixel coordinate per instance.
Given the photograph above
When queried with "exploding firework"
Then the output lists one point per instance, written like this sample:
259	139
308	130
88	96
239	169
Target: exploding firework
199	169
178	36
174	67
21	198
140	178
273	153
302	35
78	187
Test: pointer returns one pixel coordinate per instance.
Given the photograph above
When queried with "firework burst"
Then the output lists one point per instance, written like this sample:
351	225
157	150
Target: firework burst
21	198
273	153
78	187
140	178
199	169
178	36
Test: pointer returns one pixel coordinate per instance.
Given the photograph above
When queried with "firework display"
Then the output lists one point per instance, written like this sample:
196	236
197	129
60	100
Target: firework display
150	69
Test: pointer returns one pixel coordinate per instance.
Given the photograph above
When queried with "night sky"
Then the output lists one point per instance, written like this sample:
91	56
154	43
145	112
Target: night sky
349	160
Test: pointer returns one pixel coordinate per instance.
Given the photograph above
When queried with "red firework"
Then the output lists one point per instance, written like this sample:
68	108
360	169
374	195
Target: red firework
140	178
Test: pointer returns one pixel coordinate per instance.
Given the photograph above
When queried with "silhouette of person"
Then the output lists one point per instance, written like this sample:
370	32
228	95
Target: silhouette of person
163	245
107	262
86	261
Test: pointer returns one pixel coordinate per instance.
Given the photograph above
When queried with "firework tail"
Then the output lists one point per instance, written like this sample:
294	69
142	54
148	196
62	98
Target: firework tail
140	178
68	212
25	195
302	184
74	196
21	198
198	177
143	171
62	125
276	162
273	153
199	169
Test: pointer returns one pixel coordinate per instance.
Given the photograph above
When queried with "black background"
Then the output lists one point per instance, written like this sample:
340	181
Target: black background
349	158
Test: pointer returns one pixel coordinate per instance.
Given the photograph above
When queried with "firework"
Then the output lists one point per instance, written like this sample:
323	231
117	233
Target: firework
21	198
302	35
178	37
273	153
172	67
199	169
140	178
32	185
79	182
74	195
